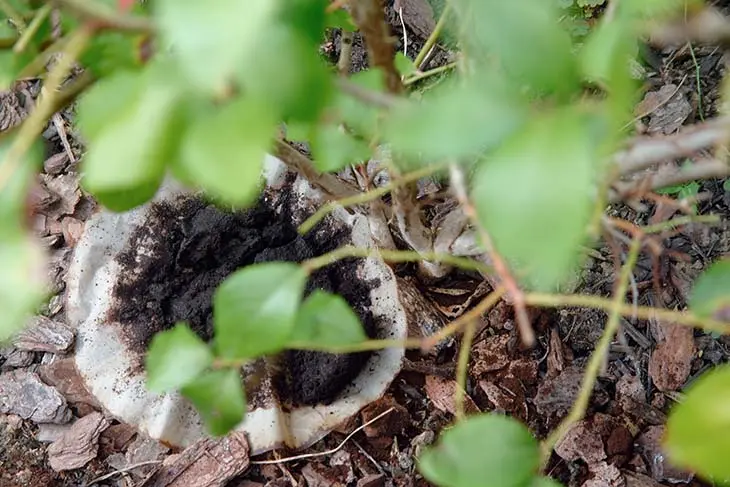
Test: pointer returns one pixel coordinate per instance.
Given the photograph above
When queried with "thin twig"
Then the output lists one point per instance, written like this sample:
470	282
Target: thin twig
368	16
33	27
431	41
431	72
123	470
461	369
46	107
324	453
593	368
698	79
679	221
500	267
61	129
361	198
104	17
348	251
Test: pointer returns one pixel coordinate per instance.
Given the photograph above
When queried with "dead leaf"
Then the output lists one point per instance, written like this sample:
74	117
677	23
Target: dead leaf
441	393
207	463
667	109
56	163
79	445
671	360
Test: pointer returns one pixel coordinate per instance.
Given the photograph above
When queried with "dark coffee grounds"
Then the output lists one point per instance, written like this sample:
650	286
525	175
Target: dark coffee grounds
195	246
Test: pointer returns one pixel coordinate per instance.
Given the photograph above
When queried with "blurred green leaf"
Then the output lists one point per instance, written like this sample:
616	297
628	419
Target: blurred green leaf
219	397
360	117
726	185
527	40
308	17
224	150
288	74
535	195
213	41
326	320
693	438
340	19
111	95
175	358
487	450
254	309
111	52
333	149
710	296
456	119
126	160
403	64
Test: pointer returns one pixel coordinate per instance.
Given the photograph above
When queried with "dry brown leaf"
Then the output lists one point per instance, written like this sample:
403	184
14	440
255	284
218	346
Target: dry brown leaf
441	392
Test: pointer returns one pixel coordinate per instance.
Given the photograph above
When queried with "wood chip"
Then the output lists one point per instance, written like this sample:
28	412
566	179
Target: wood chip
15	358
79	445
56	163
441	393
391	424
418	16
556	395
671	360
23	393
63	375
72	230
490	355
207	463
45	335
650	445
66	186
556	357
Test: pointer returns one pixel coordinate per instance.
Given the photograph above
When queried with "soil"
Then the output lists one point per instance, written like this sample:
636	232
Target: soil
197	245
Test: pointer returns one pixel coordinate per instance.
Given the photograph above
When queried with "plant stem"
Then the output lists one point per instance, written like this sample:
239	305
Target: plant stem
345	60
597	357
640	312
105	17
348	251
698	78
46	107
461	369
38	64
33	27
433	37
13	15
360	198
422	75
678	222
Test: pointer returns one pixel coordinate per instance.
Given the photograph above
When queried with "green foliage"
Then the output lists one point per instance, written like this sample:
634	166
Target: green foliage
218	396
487	450
333	148
695	436
254	309
221	161
326	320
549	200
710	296
175	358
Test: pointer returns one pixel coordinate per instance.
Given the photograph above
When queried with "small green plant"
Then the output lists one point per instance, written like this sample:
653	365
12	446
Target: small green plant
199	91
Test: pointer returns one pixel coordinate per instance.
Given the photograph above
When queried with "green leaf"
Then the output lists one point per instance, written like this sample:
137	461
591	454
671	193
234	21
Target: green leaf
340	19
254	309
694	435
333	149
308	17
361	118
488	450
326	320
456	120
111	95
110	52
126	162
710	296
175	358
213	41
224	150
535	195
522	36
403	64
288	74
219	397
726	185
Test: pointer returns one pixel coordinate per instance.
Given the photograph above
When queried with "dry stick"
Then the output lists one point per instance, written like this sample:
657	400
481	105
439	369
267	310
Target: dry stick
461	367
368	16
360	198
577	411
324	453
46	107
431	41
679	221
500	267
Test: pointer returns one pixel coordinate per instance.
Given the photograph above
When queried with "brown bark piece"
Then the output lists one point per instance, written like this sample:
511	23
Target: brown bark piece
671	361
422	316
490	355
45	335
418	16
24	394
581	442
391	424
79	445
650	445
207	463
556	357
441	393
556	396
63	375
318	475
